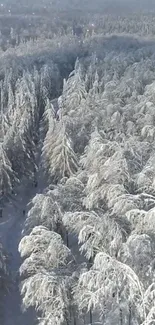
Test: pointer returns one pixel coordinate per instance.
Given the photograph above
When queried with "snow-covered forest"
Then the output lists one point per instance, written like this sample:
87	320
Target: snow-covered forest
77	163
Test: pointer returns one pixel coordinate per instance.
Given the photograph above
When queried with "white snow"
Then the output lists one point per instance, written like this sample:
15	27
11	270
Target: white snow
11	226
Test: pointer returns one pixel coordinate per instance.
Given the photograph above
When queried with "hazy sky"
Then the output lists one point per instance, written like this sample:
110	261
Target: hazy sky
89	4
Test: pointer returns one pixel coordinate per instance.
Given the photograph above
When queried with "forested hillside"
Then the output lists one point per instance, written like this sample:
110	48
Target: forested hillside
77	163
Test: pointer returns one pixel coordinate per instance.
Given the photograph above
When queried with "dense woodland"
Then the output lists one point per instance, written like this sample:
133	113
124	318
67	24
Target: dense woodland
77	132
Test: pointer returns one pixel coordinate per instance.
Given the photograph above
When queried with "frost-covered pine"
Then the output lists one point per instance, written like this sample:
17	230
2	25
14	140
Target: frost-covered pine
45	245
44	211
74	91
71	194
106	166
8	178
20	126
46	271
59	158
112	290
49	294
96	232
138	253
149	303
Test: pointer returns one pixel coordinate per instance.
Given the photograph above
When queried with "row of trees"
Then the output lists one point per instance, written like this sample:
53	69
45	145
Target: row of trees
24	95
29	79
99	158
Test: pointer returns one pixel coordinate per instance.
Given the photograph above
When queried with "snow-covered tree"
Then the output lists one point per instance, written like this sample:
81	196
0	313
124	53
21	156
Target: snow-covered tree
138	252
74	91
149	304
8	178
71	193
44	211
49	294
47	275
96	232
46	245
112	290
59	158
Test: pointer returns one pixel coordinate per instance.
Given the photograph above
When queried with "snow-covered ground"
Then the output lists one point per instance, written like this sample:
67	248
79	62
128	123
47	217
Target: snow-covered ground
11	226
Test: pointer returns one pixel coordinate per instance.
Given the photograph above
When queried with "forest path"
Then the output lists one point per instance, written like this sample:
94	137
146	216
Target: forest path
11	226
10	235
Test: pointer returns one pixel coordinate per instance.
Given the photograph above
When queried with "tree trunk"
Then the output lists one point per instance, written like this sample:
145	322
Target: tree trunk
73	317
121	316
104	311
90	263
91	317
67	239
130	314
74	321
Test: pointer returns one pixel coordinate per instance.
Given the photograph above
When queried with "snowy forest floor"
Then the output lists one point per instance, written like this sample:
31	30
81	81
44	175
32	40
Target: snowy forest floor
11	226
